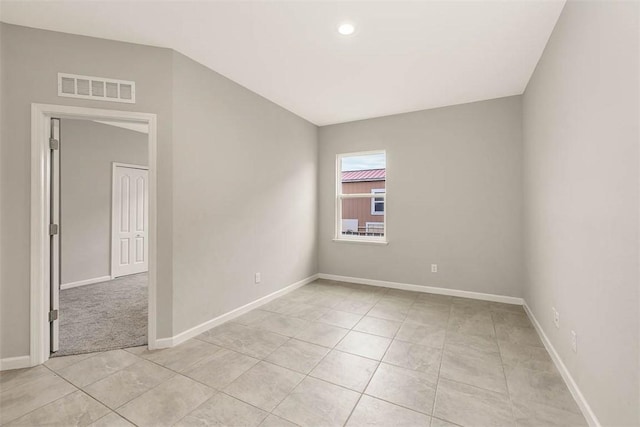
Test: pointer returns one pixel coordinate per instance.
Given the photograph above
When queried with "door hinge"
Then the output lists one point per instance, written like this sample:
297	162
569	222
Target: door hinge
53	229
54	144
53	315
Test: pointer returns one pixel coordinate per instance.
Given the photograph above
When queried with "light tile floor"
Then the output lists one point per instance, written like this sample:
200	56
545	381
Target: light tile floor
327	354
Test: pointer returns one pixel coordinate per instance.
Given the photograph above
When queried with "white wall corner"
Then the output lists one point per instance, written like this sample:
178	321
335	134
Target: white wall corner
425	289
19	362
584	406
203	327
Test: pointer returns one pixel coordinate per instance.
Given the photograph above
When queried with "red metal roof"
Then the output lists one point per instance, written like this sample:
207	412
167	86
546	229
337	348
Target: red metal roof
364	175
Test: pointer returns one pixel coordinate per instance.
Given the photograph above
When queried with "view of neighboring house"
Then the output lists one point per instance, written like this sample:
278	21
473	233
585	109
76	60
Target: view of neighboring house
364	216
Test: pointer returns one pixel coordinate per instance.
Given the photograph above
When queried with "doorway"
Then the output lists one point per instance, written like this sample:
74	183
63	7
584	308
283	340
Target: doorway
103	244
75	290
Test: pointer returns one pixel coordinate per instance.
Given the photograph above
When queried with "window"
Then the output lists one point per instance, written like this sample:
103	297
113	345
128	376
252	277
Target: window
377	203
361	195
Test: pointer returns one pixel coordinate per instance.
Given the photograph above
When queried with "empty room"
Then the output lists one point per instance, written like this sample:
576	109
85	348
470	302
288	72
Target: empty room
320	213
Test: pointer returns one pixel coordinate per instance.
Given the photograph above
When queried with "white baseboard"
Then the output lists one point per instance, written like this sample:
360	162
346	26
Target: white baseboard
203	327
19	362
425	289
85	282
568	379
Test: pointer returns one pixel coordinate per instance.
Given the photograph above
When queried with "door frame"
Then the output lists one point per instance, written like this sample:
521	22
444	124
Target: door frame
41	115
113	239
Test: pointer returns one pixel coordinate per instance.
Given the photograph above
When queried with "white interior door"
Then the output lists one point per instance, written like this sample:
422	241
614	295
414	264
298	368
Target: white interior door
130	220
54	233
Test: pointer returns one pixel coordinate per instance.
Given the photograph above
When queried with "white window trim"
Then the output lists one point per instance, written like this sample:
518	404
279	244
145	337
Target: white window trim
373	201
338	236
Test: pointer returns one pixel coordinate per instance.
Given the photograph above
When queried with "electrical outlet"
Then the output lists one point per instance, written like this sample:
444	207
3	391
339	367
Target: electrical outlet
556	317
434	268
574	341
258	278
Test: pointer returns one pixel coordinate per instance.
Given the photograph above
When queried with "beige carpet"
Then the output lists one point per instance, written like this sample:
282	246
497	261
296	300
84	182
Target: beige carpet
104	316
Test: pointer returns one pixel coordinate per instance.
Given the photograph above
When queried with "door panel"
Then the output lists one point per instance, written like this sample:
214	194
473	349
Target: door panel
140	198
54	250
131	221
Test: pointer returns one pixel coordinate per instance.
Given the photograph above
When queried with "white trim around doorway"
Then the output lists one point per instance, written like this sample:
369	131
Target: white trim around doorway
41	115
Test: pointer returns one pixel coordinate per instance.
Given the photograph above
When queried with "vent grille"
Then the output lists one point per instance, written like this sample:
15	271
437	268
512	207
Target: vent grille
97	88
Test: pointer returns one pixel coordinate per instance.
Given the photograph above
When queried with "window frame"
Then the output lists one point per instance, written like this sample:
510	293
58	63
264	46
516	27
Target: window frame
339	197
374	201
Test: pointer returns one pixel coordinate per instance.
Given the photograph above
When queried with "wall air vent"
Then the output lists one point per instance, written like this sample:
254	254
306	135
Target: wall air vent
96	88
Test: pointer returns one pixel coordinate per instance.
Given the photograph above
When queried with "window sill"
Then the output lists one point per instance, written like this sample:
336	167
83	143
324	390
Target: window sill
362	242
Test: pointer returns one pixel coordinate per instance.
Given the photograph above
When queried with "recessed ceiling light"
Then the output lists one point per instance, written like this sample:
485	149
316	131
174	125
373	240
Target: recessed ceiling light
346	29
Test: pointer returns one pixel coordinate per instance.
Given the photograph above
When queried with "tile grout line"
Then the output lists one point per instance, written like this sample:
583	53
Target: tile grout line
444	343
504	372
378	297
289	339
404	321
261	360
48	403
322	359
116	372
96	399
380	362
307	375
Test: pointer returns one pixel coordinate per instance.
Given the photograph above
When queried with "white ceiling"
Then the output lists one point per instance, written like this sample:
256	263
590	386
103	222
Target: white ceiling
404	56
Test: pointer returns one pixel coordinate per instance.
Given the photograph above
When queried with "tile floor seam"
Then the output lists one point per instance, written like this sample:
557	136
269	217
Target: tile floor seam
378	366
157	385
308	375
235	350
444	343
292	390
473	385
504	372
314	366
138	395
226	394
125	418
446	421
507	394
111	411
100	379
262	361
5	389
48	403
114	410
237	398
397	302
397	404
182	375
92	355
153	388
257	407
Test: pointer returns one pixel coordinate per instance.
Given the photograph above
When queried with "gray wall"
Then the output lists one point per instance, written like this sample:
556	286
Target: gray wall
228	133
454	197
30	60
244	195
581	200
87	152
